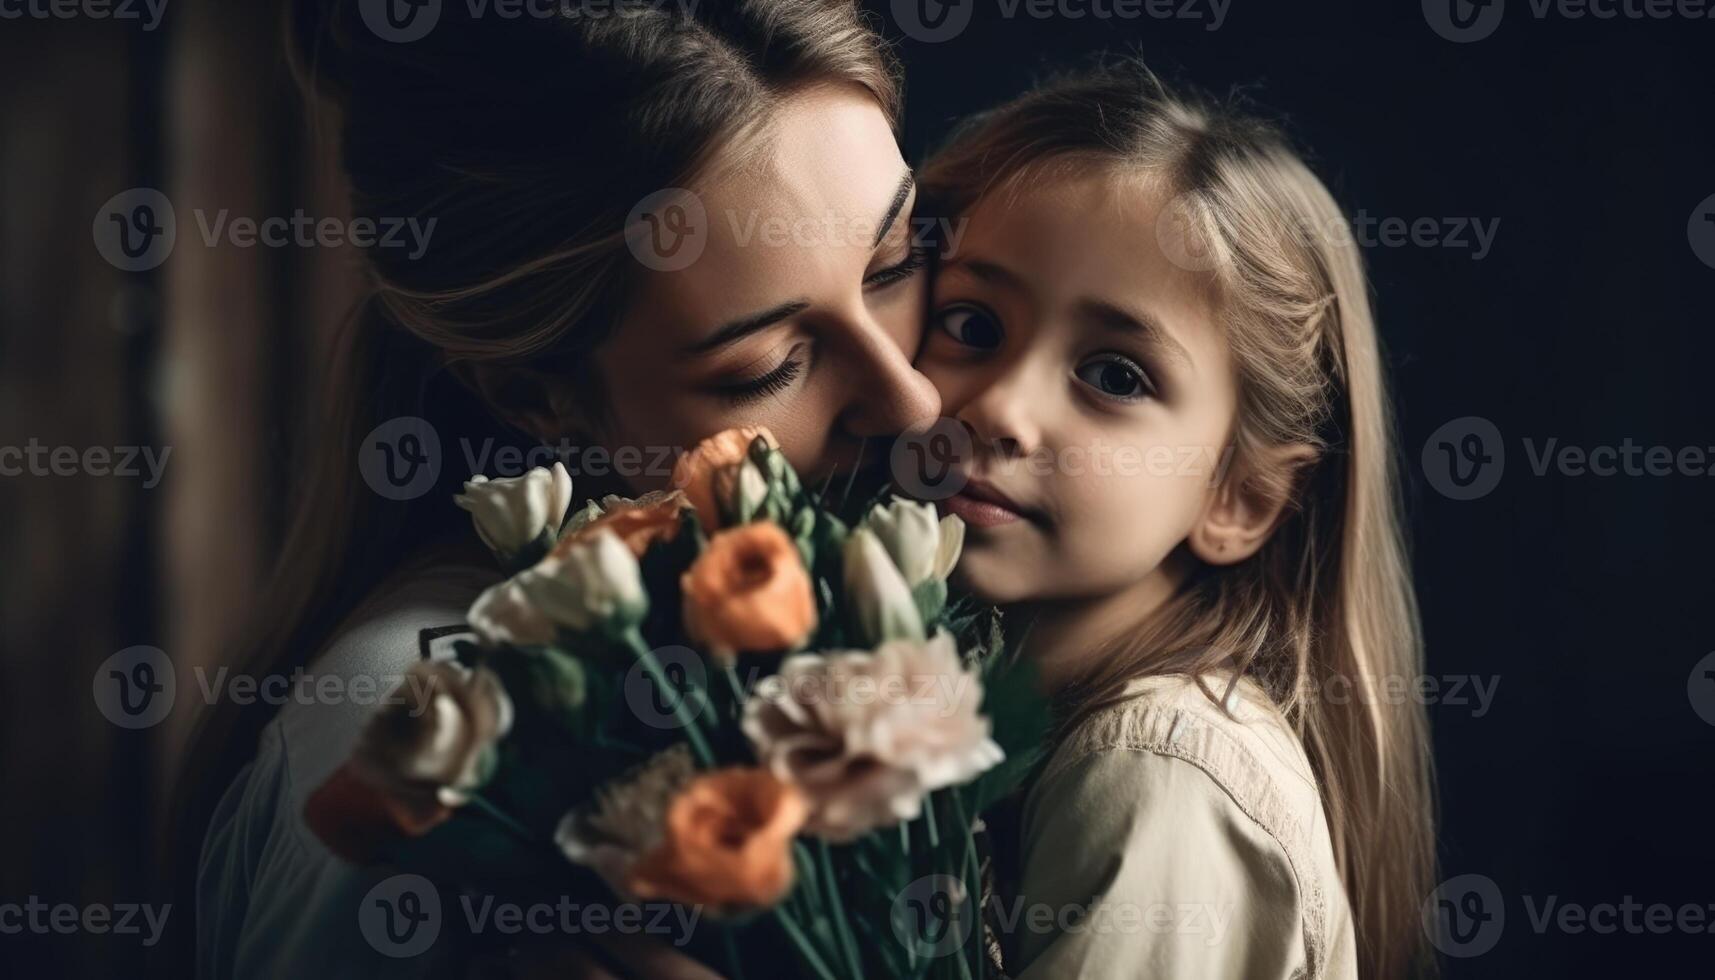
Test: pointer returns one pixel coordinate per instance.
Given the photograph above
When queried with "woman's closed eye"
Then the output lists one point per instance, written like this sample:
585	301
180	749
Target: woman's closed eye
899	271
769	383
1116	377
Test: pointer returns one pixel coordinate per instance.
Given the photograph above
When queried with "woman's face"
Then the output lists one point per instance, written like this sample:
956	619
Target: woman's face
801	312
1095	384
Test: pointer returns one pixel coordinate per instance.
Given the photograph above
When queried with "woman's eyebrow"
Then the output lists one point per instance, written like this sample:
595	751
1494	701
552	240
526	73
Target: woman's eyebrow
893	208
1137	323
744	326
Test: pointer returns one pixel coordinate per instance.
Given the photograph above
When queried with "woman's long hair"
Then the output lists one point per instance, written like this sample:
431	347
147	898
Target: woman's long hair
528	141
1325	612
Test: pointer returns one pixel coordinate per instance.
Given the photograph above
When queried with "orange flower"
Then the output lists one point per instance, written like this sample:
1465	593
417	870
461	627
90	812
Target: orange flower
695	471
748	591
356	819
727	842
639	523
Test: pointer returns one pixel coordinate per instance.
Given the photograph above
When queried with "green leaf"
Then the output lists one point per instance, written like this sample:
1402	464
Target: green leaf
530	554
930	597
1019	721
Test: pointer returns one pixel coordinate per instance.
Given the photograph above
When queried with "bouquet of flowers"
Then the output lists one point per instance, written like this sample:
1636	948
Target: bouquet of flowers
722	696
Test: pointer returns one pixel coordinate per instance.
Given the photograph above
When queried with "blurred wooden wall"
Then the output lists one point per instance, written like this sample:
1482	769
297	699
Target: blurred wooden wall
213	354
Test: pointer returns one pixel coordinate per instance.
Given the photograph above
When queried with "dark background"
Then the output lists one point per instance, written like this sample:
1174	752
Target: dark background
1585	598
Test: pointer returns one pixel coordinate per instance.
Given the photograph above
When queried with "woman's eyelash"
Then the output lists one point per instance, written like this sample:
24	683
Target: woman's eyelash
772	383
904	270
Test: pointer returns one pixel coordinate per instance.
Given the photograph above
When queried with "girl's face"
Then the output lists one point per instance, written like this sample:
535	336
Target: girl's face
1096	387
802	309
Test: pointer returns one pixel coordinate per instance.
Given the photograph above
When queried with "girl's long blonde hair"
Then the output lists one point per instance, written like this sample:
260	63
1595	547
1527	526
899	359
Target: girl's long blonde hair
1324	613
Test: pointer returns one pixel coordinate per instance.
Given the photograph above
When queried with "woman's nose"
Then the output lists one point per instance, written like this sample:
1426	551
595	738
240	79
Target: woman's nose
888	395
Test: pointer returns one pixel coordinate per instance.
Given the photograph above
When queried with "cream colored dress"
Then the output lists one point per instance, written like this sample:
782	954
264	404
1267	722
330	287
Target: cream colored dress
1168	840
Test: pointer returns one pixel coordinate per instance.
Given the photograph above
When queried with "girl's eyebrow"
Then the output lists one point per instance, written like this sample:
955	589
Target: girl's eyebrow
1138	323
990	272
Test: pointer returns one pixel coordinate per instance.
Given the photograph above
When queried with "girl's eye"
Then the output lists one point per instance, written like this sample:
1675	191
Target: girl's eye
1116	377
971	326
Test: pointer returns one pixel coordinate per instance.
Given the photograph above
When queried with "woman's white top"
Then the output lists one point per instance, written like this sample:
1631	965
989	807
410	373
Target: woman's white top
1168	839
271	900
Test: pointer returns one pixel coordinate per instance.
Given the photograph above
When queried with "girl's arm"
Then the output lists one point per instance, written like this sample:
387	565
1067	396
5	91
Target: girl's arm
1141	864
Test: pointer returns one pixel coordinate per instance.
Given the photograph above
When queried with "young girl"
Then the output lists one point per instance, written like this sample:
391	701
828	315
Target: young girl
1161	348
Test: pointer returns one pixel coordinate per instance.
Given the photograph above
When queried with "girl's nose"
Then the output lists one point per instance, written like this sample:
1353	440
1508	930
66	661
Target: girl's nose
1001	417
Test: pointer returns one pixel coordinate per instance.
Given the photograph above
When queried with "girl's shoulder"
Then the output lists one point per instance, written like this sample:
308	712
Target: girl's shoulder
1233	733
1178	803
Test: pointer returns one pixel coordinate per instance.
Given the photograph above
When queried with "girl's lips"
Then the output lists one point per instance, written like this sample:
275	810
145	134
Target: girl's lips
980	513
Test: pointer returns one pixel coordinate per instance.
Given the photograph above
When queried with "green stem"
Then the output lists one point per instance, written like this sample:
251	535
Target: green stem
681	713
501	817
810	893
971	873
734	965
837	911
738	695
802	943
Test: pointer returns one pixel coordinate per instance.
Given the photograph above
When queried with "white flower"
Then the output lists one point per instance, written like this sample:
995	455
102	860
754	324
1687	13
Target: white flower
866	736
923	546
505	614
880	599
431	739
587	583
741	490
511	513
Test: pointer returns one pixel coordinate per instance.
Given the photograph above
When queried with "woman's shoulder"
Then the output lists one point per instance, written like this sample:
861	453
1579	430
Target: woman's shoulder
417	614
272	899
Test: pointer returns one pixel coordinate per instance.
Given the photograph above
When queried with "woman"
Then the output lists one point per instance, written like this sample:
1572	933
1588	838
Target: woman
536	145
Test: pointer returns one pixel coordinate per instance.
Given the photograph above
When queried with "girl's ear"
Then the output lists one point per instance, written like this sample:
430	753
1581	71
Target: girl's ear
1249	504
537	404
